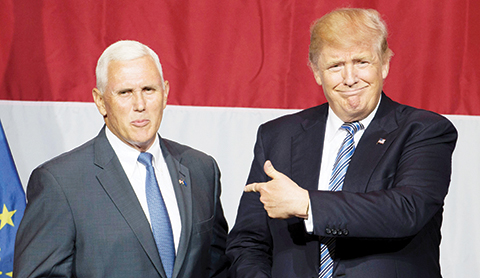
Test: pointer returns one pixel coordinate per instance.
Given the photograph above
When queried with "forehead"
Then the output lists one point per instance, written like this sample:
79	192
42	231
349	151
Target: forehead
133	71
330	53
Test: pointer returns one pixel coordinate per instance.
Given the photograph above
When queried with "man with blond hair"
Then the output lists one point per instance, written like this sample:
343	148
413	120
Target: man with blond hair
350	188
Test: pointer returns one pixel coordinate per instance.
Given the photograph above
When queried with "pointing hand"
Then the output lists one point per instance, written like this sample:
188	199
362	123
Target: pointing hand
282	198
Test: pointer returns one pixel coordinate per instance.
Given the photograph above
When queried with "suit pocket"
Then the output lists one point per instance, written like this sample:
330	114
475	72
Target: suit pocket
204	226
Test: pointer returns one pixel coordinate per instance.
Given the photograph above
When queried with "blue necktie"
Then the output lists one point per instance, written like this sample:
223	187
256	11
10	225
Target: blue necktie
161	226
344	155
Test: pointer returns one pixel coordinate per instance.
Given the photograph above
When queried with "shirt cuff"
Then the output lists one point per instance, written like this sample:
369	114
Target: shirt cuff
309	221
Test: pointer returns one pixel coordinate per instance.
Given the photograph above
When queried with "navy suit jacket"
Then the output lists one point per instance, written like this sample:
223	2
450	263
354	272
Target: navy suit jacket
386	219
83	218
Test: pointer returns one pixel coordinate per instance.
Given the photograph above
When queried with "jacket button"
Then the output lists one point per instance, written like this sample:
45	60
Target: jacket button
328	231
334	232
345	231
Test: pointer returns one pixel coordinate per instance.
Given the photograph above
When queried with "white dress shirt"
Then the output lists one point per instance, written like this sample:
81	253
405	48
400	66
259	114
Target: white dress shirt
334	136
136	173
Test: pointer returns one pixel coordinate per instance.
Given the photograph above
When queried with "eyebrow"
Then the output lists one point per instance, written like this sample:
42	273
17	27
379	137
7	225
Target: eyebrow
355	58
123	90
363	57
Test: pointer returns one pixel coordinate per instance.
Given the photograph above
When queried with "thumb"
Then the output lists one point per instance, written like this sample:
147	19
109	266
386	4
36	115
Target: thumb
270	170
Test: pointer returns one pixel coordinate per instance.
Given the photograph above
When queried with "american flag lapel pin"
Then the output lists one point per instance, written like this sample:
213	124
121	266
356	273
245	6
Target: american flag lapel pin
381	141
181	181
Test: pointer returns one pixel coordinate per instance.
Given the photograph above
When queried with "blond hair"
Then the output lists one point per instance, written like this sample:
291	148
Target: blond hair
348	27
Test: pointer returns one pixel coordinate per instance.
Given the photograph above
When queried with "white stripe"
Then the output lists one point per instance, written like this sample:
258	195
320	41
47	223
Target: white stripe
37	131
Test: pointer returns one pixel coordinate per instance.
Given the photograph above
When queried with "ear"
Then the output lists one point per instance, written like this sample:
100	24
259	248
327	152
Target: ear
99	101
316	74
165	93
385	69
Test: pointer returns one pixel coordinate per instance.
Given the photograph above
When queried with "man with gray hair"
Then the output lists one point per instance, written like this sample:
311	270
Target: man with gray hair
127	203
350	188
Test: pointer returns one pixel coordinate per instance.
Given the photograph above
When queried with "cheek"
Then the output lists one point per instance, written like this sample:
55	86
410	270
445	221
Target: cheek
117	111
158	103
372	76
332	80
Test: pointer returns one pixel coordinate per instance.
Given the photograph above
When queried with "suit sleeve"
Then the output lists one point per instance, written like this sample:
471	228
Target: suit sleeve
249	244
219	265
405	191
45	240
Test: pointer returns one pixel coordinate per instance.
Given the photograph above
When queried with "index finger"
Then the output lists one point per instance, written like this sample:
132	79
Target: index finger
250	187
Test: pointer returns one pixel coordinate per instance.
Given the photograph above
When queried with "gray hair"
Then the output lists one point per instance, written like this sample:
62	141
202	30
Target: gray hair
124	50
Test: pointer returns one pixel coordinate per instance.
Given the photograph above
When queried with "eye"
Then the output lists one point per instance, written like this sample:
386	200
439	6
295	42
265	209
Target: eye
123	92
363	63
149	90
335	67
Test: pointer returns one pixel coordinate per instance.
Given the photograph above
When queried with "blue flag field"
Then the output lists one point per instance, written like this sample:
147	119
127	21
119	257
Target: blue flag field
12	206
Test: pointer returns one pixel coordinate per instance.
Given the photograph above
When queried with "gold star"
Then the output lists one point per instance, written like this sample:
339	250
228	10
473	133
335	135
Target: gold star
6	217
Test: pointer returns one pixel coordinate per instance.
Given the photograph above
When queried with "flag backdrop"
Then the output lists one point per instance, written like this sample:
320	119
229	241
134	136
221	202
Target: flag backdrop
12	206
231	66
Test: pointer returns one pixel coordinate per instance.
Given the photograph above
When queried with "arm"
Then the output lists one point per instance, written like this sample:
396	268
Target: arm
405	191
219	265
249	244
44	246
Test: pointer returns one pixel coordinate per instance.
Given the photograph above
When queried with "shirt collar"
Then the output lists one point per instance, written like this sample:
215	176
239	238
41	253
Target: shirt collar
128	155
334	122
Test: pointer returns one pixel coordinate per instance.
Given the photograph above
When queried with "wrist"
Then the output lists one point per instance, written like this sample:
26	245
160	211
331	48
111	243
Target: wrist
304	207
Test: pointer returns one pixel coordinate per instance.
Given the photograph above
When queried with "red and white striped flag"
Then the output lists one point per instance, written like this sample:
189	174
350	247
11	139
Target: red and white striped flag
231	66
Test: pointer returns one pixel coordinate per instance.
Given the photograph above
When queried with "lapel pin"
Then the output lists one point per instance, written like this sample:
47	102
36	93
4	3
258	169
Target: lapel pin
381	141
182	182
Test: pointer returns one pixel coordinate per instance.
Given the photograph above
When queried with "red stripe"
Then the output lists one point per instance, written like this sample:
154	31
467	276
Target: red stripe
235	53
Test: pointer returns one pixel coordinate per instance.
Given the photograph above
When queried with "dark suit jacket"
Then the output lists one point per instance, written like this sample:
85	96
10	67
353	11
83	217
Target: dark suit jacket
387	218
83	218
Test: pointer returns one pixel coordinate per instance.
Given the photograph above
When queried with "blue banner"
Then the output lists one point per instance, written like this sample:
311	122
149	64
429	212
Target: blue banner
12	206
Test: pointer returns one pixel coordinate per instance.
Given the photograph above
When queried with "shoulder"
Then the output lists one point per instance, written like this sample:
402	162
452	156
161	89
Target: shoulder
420	119
410	126
297	121
73	159
202	168
54	176
184	153
392	115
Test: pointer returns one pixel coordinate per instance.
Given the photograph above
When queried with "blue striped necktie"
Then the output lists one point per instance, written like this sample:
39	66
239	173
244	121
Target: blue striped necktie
159	219
344	155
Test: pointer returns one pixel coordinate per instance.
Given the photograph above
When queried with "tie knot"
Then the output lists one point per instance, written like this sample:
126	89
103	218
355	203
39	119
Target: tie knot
145	159
352	127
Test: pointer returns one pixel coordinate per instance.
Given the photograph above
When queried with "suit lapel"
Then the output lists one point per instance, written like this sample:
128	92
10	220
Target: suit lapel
376	140
181	181
115	183
307	148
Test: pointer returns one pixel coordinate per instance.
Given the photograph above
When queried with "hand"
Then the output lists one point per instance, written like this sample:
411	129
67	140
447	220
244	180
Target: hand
281	197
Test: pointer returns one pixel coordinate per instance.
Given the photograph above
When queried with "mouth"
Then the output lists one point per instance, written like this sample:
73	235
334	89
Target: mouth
351	91
140	123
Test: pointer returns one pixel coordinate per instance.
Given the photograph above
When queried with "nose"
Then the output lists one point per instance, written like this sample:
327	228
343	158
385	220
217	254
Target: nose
139	101
349	75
